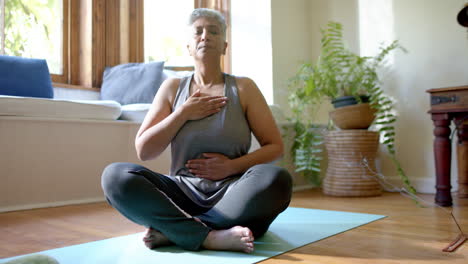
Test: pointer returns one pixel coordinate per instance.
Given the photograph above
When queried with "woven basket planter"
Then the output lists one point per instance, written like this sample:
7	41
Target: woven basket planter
358	116
346	174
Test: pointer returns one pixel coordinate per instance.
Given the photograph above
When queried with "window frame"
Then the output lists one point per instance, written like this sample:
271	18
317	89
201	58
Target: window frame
63	78
104	33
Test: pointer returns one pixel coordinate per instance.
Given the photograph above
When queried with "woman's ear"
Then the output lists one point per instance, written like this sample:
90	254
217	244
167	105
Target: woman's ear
225	47
188	49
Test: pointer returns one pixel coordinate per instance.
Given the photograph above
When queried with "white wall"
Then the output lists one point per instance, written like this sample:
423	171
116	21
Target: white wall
51	162
296	39
251	43
290	42
438	57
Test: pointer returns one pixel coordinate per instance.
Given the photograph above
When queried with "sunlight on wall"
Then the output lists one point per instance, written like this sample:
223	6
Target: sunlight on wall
251	43
376	26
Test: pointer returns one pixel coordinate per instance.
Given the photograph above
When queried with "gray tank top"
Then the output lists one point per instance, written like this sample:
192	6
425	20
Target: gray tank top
226	132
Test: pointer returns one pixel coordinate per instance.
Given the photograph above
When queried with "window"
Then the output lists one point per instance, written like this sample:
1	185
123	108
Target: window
165	24
80	38
34	29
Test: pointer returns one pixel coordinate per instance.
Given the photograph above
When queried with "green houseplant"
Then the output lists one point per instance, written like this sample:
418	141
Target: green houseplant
338	73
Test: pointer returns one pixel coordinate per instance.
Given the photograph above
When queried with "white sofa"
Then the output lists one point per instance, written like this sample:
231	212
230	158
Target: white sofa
55	157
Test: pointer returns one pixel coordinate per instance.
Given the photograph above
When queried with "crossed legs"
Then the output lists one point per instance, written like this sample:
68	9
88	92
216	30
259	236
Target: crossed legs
253	201
155	201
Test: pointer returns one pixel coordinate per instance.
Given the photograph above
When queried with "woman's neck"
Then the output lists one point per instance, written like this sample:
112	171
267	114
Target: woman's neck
207	75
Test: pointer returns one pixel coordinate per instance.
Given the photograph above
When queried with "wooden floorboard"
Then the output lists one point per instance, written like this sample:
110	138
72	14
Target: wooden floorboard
409	234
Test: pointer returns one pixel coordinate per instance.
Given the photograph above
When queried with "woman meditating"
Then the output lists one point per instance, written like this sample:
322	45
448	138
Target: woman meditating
217	195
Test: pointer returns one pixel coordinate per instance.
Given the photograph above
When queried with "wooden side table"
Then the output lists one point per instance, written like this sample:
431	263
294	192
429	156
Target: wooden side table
447	105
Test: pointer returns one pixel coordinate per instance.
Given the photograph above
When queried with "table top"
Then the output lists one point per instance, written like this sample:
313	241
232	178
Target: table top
447	89
449	99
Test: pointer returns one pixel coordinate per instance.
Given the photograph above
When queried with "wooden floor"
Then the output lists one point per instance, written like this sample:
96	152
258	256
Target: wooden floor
408	235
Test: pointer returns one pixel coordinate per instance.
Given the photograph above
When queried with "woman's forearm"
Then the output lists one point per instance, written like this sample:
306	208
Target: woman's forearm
152	142
265	154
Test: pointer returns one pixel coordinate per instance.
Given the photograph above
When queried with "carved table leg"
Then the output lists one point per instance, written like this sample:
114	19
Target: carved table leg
443	155
462	156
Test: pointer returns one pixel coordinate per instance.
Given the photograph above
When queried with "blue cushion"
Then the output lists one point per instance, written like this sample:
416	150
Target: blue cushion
25	77
132	83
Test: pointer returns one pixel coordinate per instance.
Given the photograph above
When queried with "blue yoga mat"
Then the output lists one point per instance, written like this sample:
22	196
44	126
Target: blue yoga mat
293	228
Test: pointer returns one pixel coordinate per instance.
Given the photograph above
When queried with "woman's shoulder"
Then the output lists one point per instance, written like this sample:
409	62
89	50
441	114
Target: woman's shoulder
170	85
242	80
245	84
248	91
171	81
169	88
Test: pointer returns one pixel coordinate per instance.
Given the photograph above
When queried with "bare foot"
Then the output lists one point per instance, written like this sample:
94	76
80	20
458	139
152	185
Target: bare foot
154	239
237	238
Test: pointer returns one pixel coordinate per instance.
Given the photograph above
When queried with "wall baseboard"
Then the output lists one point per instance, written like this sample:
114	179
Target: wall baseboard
422	185
50	204
302	187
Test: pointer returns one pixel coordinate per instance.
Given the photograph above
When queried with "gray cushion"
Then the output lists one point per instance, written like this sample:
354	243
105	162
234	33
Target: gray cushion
132	83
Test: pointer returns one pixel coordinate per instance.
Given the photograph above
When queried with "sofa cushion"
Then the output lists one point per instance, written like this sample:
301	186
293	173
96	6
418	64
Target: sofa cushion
56	108
132	83
25	77
134	112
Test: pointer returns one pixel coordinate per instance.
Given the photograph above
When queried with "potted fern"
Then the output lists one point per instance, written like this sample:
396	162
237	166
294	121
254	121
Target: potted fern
339	75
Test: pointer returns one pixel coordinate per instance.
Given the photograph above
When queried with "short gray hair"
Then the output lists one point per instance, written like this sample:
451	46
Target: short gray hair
209	13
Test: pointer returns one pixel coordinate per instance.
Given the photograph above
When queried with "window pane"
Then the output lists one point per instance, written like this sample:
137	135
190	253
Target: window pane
166	31
2	26
34	29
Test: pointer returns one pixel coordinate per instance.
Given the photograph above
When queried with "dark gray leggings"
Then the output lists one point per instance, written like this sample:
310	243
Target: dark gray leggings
154	200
